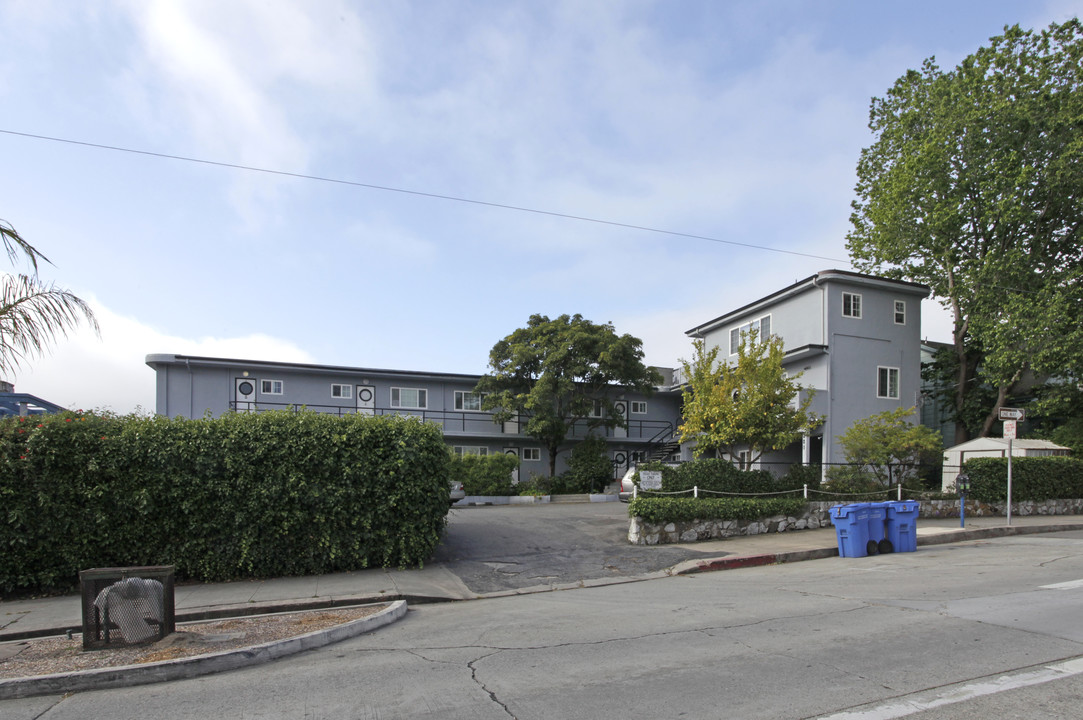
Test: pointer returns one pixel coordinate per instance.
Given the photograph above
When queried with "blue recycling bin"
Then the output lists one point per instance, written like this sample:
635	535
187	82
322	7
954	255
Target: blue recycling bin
902	525
851	529
877	530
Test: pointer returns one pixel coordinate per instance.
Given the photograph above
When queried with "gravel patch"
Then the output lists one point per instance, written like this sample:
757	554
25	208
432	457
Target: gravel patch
47	656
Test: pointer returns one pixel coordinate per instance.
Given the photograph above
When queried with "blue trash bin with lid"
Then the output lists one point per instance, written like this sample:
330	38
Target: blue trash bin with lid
877	530
851	529
902	525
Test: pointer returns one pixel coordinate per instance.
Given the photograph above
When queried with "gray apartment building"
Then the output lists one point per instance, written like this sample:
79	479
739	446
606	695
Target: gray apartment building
190	386
856	339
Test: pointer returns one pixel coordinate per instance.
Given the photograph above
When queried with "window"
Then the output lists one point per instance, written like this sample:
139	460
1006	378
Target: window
470	449
532	454
270	387
596	409
887	382
415	398
638	456
639	407
468	401
762	326
900	312
851	305
341	391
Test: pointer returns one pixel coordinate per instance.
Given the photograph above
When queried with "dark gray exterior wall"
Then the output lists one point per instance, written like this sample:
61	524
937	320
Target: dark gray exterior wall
192	387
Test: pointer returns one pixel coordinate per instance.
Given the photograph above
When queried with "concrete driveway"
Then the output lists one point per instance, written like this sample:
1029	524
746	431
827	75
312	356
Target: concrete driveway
514	547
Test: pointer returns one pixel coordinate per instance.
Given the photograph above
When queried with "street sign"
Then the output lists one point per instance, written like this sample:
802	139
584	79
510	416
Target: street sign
1009	429
650	480
1007	413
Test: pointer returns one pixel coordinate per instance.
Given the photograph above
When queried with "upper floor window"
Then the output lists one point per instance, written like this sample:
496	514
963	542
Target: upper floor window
597	409
900	312
762	326
415	398
851	305
887	383
341	391
468	400
270	387
469	449
638	407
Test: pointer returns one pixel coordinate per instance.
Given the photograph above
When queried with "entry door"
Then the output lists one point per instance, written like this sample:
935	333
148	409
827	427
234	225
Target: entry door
244	397
366	400
621	406
515	472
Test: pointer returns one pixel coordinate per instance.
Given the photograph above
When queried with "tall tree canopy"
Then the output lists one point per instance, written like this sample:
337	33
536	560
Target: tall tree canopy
748	404
32	313
974	186
553	374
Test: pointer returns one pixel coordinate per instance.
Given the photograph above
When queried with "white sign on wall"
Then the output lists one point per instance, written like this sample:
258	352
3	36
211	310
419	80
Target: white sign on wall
650	480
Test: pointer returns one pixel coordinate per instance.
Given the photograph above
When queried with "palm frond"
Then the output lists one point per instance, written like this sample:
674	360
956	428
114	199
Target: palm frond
14	244
33	315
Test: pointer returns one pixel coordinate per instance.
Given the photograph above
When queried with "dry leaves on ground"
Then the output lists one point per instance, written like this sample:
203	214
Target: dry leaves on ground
46	656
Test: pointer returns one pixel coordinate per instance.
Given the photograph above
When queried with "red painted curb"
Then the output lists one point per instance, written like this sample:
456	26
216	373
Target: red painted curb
736	562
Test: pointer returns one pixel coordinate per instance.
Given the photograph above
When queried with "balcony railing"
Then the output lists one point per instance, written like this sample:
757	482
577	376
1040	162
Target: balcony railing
471	423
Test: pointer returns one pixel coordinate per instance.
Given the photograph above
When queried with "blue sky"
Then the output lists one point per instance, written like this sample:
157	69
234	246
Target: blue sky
737	121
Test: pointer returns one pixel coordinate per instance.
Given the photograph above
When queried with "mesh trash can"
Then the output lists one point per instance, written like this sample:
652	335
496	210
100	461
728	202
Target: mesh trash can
126	606
902	525
851	529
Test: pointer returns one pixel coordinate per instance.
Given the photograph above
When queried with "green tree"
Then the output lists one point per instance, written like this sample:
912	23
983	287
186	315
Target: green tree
32	313
888	447
556	373
752	403
972	187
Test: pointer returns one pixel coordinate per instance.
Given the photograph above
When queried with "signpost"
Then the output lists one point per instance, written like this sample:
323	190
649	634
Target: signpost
1010	417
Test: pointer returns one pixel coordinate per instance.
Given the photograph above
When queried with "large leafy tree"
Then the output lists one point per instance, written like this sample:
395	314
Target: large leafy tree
553	374
751	403
973	187
33	314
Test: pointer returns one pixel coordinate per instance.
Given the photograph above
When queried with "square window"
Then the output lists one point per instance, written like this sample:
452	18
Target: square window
468	401
639	407
887	383
900	312
851	305
532	454
270	387
341	391
414	398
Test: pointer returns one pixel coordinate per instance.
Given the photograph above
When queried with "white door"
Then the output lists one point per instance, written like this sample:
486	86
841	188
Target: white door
515	472
244	397
366	400
621	406
620	463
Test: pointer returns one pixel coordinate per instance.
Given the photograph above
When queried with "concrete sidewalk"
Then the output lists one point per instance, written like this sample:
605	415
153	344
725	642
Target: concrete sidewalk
21	619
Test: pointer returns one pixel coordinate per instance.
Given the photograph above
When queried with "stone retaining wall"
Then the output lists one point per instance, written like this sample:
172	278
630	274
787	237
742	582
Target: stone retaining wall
818	515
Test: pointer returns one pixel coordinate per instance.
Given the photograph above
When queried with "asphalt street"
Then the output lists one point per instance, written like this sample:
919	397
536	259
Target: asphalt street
985	628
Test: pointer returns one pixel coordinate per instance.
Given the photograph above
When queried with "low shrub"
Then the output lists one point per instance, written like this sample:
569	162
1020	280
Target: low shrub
660	510
1033	478
485	474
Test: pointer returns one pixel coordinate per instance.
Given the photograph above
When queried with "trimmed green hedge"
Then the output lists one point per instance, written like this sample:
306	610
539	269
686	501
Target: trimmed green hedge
665	510
1033	478
244	495
723	476
484	474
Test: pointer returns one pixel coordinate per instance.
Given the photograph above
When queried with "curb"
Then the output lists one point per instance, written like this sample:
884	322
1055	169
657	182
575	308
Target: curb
182	668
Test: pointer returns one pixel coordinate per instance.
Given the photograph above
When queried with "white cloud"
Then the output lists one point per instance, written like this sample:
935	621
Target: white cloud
87	372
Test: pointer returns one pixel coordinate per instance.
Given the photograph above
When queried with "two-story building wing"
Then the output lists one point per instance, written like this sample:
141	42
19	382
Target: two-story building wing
855	338
191	387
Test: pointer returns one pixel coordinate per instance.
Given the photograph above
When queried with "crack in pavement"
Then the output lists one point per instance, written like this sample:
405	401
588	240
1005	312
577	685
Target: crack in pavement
480	684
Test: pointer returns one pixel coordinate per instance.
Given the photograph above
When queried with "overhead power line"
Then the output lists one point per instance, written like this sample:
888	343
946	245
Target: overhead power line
420	193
